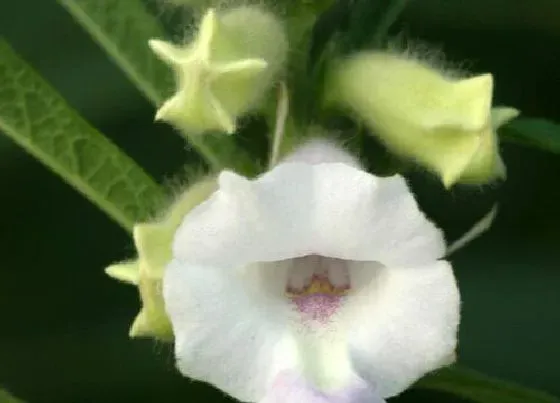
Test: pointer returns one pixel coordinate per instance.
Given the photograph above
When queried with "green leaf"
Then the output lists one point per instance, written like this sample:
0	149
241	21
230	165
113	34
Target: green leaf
347	26
390	16
37	118
480	388
122	28
5	397
533	132
355	25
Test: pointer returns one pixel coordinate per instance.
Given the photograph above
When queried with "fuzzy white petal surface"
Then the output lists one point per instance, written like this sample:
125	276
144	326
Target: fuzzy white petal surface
403	324
226	332
297	209
288	387
320	150
231	328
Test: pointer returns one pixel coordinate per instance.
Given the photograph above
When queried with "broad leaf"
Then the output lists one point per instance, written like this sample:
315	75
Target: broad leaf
122	28
480	388
36	117
533	132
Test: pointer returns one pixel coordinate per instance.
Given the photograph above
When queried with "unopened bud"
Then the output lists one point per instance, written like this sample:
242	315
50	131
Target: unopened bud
442	123
226	71
153	244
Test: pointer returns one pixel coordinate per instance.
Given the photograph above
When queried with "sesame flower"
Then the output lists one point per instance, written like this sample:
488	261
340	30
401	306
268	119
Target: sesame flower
315	282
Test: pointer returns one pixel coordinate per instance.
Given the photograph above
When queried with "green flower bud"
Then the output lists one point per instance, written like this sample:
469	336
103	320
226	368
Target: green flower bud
226	71
443	123
153	243
486	164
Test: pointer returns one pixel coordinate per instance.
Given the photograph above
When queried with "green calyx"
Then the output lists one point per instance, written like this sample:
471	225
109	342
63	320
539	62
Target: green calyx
442	123
153	242
226	71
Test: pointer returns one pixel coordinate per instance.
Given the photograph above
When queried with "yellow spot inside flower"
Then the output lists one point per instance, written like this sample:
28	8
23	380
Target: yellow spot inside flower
319	285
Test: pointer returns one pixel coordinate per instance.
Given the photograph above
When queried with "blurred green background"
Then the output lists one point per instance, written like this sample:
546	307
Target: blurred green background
64	324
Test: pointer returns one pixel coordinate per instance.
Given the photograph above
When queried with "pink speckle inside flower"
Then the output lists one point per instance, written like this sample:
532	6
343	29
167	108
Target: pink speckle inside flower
317	286
317	307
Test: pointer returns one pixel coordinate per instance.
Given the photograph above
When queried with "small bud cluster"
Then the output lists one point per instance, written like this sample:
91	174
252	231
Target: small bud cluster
443	122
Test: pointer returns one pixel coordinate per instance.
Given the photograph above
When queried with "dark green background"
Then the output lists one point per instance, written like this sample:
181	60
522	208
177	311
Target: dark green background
63	324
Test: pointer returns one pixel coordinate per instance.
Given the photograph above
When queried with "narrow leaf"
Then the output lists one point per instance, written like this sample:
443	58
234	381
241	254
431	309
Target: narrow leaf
480	388
37	118
392	13
123	28
533	132
359	24
5	397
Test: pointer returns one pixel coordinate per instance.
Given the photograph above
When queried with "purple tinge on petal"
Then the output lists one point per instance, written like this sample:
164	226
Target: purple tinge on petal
288	387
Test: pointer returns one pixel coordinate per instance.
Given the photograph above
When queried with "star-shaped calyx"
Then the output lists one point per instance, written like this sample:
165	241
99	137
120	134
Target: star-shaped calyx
219	75
486	163
153	243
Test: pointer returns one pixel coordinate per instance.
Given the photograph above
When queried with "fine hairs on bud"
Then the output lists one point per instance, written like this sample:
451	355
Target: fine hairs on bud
175	186
261	21
243	49
197	8
427	54
153	243
420	113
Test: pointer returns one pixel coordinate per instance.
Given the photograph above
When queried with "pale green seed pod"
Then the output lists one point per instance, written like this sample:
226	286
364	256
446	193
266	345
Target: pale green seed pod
441	122
226	71
153	242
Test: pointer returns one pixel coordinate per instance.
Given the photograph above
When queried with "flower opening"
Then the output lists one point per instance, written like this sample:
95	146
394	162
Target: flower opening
316	269
317	286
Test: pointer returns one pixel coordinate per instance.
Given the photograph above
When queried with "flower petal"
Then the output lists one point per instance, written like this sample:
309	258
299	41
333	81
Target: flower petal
298	209
226	333
290	388
403	324
320	150
221	295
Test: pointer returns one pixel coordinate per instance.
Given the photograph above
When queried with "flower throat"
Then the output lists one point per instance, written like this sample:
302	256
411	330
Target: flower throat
317	286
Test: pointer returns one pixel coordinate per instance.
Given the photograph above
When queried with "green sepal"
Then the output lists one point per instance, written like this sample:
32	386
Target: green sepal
226	71
153	242
442	123
123	29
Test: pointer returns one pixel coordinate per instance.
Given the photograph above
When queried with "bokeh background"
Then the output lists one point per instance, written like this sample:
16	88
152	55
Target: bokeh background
64	324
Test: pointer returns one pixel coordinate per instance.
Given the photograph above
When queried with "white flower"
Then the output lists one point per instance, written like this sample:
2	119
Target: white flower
316	282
